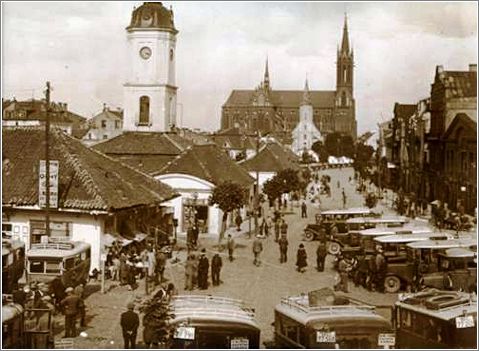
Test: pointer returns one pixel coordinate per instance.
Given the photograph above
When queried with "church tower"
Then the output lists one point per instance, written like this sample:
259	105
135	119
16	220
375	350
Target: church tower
150	89
344	102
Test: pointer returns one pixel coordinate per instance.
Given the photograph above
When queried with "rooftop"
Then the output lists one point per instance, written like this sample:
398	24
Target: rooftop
88	180
271	157
283	98
207	162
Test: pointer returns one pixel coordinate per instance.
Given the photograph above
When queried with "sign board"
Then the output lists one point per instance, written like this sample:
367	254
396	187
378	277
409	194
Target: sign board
386	340
65	343
326	337
240	343
42	184
185	333
464	322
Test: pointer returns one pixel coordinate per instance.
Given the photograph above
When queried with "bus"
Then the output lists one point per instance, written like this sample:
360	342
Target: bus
70	261
13	264
212	322
361	223
421	260
340	216
436	319
325	320
12	326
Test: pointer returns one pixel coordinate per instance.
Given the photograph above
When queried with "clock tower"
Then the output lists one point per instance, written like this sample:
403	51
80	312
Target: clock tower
150	89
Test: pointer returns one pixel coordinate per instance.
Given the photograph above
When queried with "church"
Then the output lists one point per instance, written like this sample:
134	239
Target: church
277	112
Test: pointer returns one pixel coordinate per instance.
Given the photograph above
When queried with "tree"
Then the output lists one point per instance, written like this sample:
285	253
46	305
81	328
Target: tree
290	180
228	196
273	189
157	314
362	158
332	143
320	150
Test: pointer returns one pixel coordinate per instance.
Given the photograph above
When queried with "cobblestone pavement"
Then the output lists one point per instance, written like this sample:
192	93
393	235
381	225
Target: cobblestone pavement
261	287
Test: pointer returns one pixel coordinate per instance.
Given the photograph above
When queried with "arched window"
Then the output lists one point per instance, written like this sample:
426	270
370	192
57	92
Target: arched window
144	110
345	74
344	100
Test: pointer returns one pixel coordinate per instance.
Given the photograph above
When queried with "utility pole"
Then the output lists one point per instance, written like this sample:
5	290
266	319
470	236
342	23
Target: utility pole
256	193
47	160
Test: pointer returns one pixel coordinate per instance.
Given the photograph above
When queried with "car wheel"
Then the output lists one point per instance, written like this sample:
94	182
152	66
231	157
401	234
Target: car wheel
334	248
392	284
308	235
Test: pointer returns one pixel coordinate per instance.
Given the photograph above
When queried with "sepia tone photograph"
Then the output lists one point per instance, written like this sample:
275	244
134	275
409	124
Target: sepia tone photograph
239	175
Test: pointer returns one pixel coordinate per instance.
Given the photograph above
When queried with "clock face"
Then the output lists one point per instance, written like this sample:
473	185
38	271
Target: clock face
145	52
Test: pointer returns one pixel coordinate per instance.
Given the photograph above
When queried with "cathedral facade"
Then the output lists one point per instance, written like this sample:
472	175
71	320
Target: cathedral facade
277	112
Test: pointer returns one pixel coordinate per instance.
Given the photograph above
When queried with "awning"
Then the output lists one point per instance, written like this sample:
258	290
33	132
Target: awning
109	239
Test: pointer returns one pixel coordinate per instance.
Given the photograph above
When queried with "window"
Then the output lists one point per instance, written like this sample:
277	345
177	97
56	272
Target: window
344	100
52	266
69	263
144	110
172	54
117	124
57	229
103	123
105	136
37	267
345	74
6	229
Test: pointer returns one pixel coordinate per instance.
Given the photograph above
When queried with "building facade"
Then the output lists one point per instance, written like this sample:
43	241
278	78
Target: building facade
278	111
105	125
305	134
150	91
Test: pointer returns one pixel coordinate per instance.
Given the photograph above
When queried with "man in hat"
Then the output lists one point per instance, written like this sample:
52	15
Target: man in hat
130	321
216	264
381	269
80	292
71	306
231	247
283	249
203	267
321	253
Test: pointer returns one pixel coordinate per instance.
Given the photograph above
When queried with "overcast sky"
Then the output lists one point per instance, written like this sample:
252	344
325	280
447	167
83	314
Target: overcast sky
80	47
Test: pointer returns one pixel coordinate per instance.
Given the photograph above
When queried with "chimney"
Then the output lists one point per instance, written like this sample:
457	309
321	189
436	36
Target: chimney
473	67
439	69
104	107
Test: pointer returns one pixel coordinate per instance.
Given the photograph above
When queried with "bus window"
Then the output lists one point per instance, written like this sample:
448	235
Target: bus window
69	263
37	267
52	266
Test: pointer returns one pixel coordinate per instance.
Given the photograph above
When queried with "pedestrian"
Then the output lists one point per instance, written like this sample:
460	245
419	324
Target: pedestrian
203	267
381	269
276	229
71	306
301	259
283	249
19	296
303	210
285	203
362	272
333	231
196	260
189	272
321	253
264	228
80	292
230	244
344	269
257	249
344	199
171	291
131	275
123	269
238	221
160	266
284	228
151	259
130	321
269	223
115	268
216	264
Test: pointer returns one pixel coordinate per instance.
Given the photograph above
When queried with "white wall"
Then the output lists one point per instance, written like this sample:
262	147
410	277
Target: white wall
85	228
263	177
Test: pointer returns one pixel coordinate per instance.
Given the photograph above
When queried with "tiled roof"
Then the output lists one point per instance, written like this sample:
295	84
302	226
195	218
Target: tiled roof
141	143
88	179
149	164
272	157
283	98
115	115
234	141
207	162
460	83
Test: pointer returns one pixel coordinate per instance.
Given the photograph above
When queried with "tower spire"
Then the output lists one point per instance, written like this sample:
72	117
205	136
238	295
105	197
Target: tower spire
266	75
345	42
306	94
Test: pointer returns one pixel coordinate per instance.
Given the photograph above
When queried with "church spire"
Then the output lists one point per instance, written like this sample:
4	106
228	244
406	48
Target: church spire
345	43
266	76
306	94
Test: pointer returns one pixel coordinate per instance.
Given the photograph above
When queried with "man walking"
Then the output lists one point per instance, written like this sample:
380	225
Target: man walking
276	229
301	259
203	267
284	228
344	269
257	249
189	272
130	321
80	292
321	253
283	249
303	210
71	307
230	244
216	264
344	199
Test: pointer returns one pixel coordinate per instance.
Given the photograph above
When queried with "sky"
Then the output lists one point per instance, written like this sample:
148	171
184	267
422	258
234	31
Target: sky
80	47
